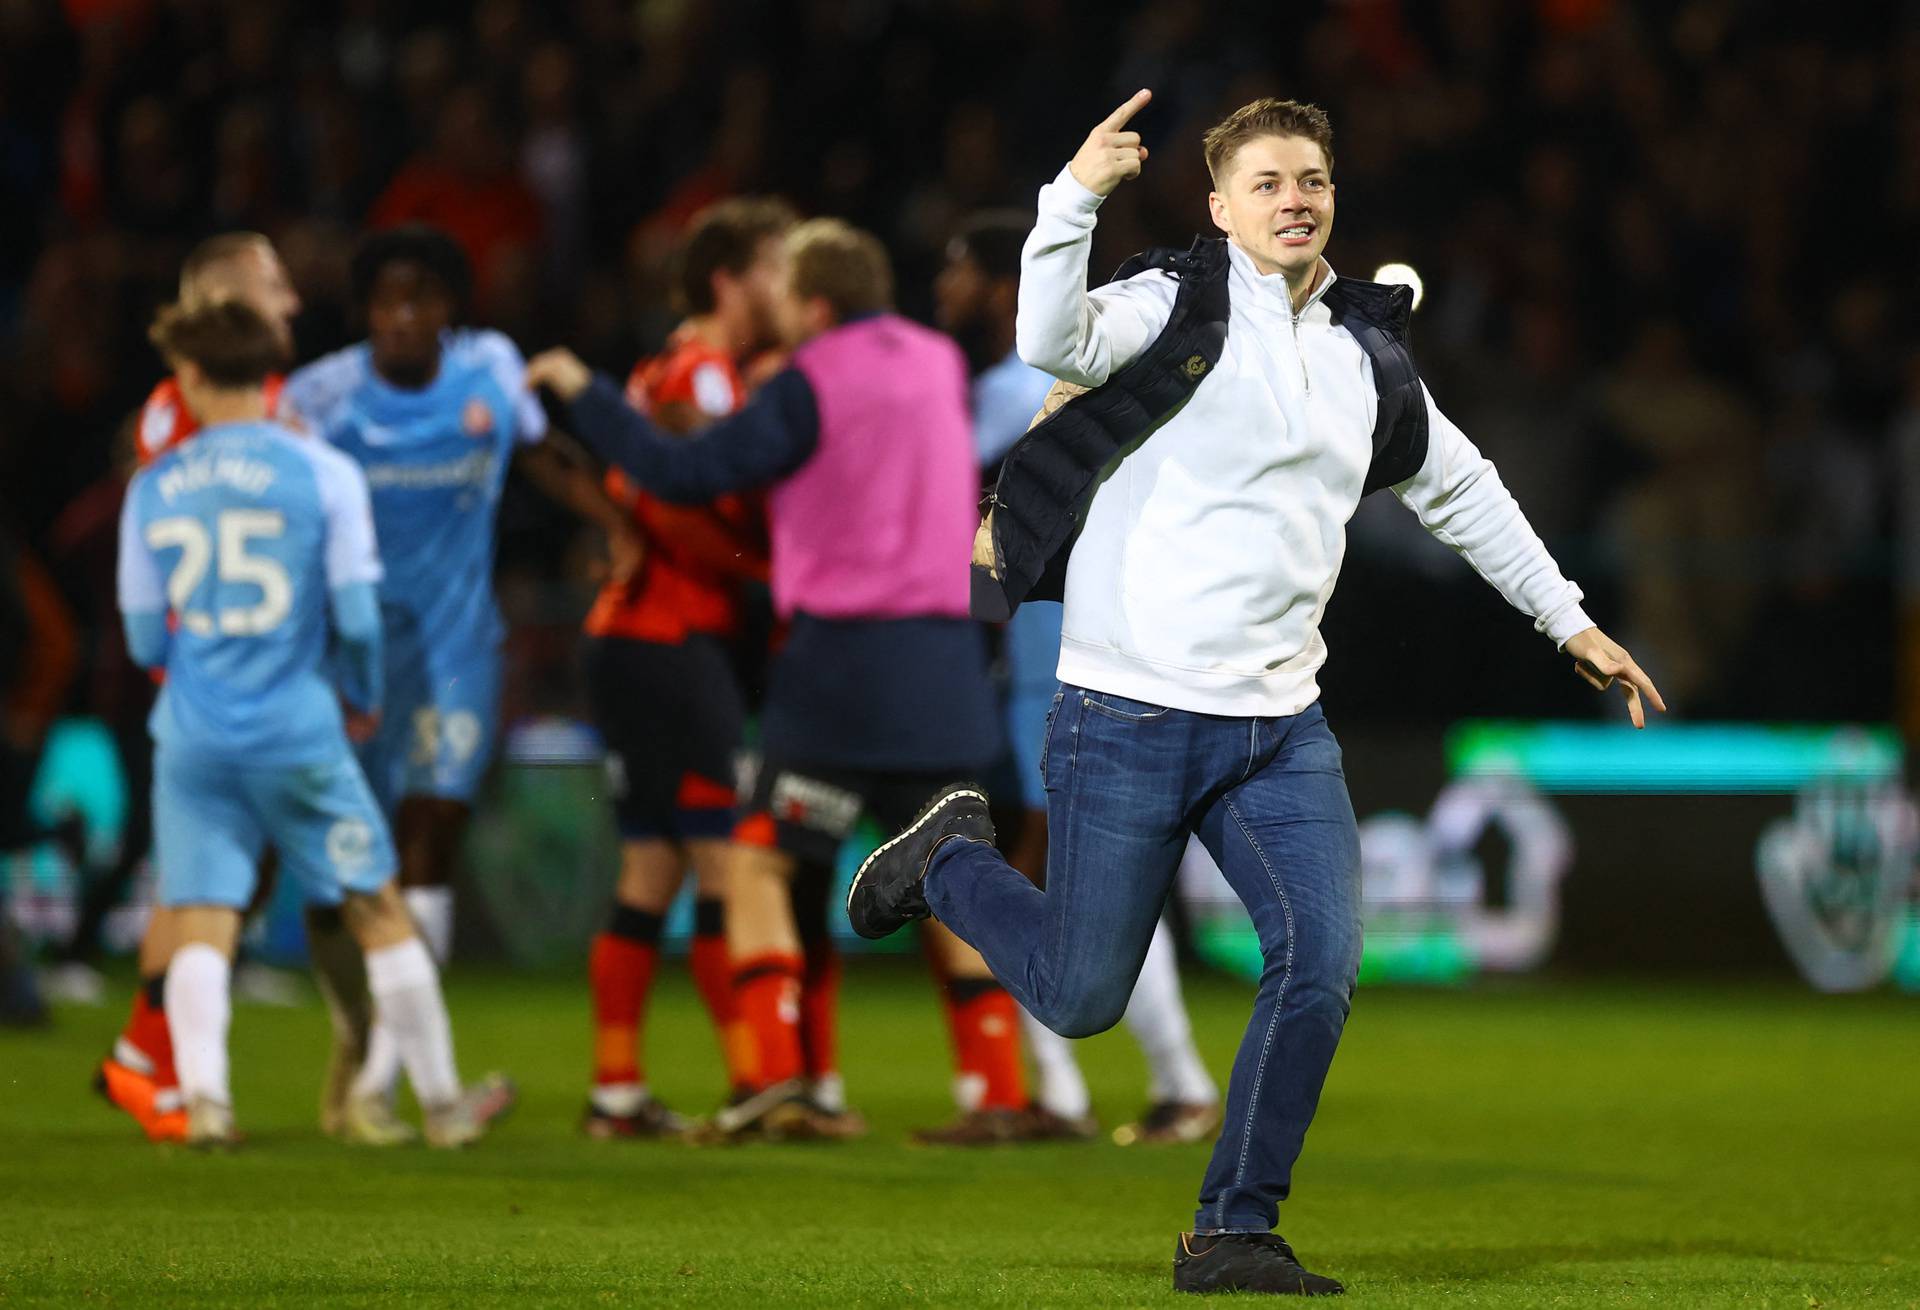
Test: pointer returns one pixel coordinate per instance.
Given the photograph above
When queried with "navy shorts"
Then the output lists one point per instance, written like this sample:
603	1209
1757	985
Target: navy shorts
672	717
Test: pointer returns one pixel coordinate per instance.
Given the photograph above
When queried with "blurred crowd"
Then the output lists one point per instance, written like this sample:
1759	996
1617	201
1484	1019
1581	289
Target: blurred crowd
1659	243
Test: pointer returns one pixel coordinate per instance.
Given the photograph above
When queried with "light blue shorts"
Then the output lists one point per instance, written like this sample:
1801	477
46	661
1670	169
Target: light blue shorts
441	716
212	819
1032	654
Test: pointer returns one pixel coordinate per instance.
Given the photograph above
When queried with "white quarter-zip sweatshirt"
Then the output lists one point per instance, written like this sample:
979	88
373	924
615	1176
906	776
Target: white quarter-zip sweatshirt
1208	554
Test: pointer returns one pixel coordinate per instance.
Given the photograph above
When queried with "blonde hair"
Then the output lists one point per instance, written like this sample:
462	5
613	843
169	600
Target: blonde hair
1265	117
842	264
210	256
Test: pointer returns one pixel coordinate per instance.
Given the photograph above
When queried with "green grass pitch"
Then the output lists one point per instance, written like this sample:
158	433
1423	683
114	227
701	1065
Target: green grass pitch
1520	1144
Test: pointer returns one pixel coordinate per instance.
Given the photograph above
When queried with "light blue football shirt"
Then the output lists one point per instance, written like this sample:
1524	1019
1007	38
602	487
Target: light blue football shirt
436	460
244	534
1005	399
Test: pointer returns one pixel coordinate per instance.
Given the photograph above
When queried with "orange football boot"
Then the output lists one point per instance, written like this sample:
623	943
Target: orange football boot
155	1108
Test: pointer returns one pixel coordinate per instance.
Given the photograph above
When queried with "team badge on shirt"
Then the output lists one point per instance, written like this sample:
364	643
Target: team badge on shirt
713	390
157	425
476	418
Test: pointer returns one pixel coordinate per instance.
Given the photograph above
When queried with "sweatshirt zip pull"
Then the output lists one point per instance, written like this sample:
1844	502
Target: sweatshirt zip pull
1306	381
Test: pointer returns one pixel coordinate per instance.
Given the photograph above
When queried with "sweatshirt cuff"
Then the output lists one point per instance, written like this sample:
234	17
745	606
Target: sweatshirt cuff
1065	197
1565	623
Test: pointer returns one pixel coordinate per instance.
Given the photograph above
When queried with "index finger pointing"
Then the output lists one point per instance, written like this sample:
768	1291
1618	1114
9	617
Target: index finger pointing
1135	103
1639	678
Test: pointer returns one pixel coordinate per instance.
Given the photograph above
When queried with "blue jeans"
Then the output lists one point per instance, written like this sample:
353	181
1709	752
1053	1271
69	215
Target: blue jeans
1126	782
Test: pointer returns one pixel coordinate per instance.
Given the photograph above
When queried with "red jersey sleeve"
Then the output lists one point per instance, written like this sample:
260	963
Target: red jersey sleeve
164	422
699	376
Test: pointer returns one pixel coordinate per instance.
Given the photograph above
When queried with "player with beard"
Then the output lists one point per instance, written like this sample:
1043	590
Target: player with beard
664	689
863	445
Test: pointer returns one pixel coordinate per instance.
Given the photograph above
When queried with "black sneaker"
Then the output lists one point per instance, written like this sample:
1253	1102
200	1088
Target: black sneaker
651	1119
1244	1262
886	893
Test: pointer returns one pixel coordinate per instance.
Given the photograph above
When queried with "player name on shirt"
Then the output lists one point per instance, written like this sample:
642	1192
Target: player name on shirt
195	473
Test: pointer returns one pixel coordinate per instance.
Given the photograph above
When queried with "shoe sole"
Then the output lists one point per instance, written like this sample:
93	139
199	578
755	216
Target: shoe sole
934	807
843	1127
609	1129
379	1134
377	1139
1184	1134
503	1094
734	1119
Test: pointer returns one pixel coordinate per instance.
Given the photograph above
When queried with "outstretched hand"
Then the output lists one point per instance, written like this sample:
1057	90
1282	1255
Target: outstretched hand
1605	664
1111	154
560	371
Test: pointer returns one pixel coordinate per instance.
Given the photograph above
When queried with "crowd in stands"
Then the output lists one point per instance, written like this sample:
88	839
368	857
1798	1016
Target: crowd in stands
1659	244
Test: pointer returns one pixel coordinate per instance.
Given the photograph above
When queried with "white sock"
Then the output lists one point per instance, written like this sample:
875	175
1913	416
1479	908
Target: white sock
1060	1086
969	1089
1157	1015
1200	880
618	1098
432	911
199	1008
407	1001
829	1092
380	1070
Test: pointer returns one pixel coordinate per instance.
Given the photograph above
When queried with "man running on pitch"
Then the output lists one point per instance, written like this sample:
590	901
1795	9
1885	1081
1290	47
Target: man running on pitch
1242	400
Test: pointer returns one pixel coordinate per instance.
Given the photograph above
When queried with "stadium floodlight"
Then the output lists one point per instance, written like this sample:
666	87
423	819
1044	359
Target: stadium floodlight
1402	275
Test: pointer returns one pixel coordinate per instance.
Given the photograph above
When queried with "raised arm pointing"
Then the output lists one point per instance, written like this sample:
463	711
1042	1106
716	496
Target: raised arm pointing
1111	154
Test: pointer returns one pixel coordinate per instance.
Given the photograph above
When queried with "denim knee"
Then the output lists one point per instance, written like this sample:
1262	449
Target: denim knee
1086	1015
1327	1001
